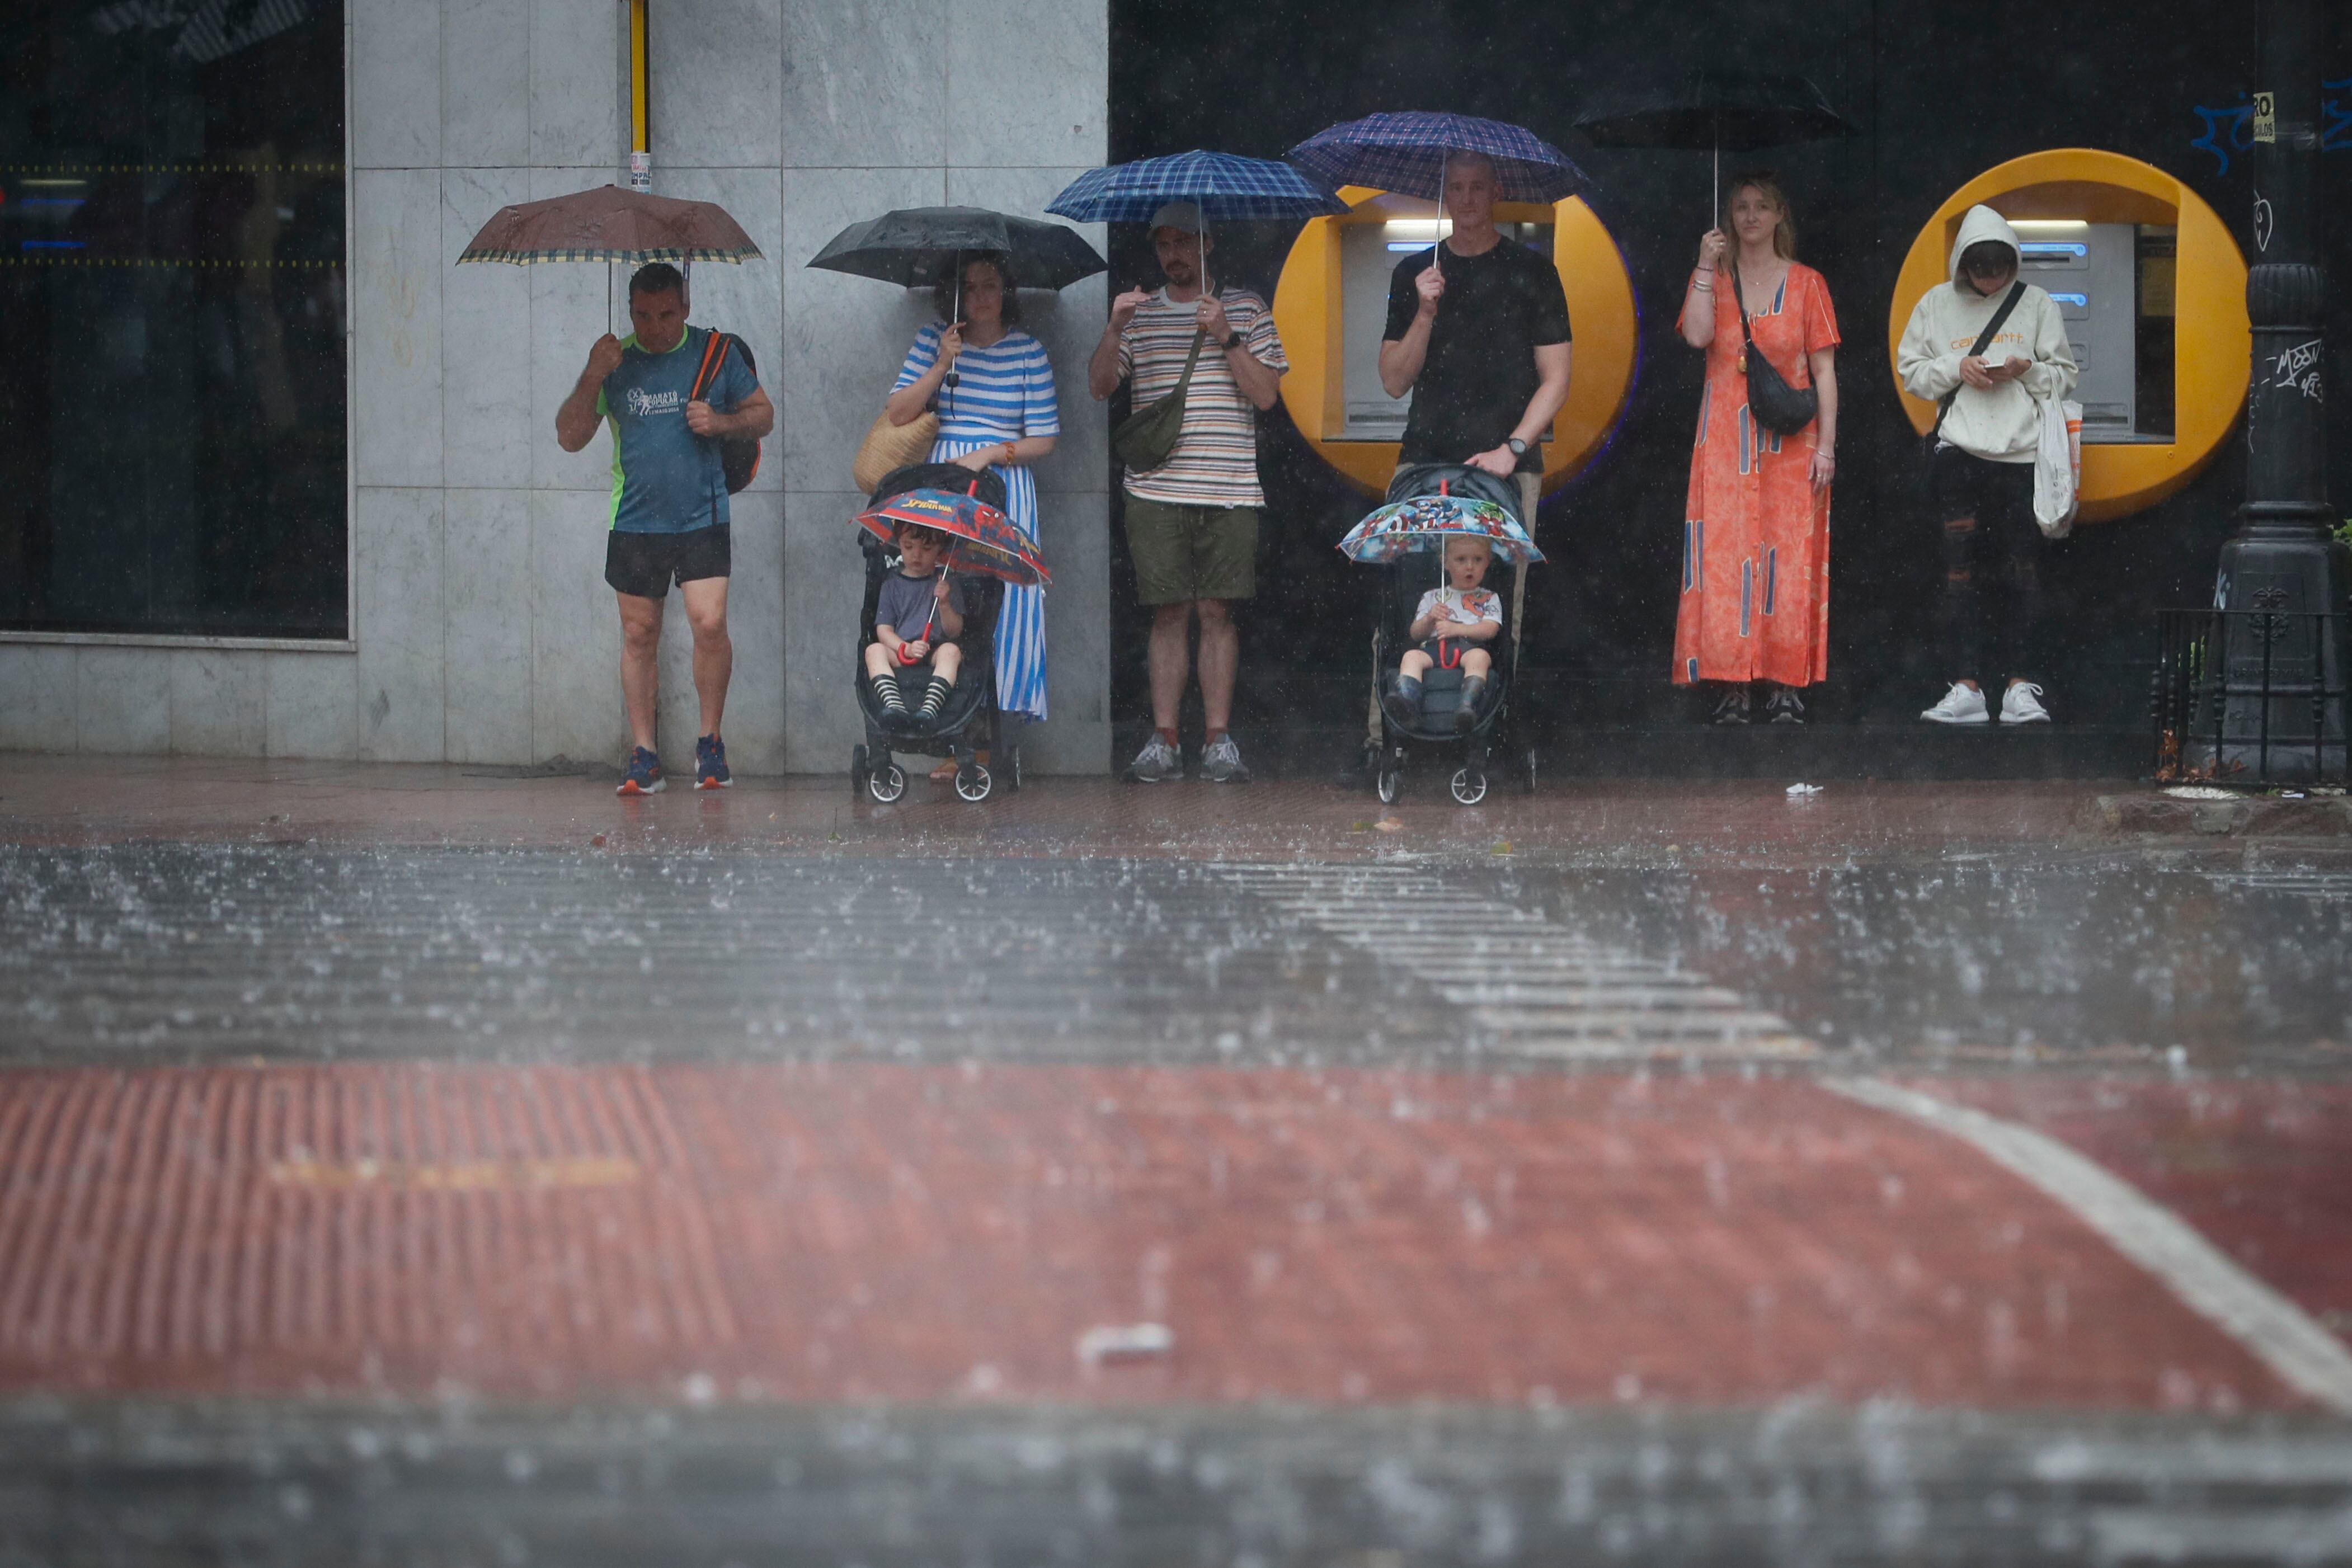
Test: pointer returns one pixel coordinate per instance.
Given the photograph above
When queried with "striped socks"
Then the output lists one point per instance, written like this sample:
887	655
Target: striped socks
885	687
936	699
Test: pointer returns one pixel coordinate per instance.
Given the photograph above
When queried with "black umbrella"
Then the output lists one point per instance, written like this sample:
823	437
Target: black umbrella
920	245
1716	108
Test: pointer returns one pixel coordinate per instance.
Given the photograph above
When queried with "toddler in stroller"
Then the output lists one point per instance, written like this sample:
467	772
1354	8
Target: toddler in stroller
1451	626
918	617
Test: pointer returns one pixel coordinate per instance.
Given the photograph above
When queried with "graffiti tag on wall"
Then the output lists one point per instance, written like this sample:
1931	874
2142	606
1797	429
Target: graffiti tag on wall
2232	130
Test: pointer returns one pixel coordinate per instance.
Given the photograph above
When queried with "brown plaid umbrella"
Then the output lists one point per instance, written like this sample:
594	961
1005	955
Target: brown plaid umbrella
609	223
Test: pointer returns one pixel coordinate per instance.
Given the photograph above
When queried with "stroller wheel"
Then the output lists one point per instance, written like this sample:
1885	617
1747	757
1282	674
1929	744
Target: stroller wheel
1384	784
1527	771
1470	785
886	783
973	783
856	770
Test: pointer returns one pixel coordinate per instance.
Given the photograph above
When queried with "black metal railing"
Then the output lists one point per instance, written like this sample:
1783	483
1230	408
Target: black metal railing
2251	696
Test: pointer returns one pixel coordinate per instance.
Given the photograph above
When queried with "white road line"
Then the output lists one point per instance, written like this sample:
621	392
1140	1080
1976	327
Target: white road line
2281	1335
1536	989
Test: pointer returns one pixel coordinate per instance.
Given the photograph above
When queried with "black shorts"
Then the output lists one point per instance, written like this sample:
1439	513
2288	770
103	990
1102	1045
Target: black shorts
1447	654
645	565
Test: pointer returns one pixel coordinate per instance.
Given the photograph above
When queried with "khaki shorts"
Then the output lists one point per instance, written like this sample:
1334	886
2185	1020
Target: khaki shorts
1183	553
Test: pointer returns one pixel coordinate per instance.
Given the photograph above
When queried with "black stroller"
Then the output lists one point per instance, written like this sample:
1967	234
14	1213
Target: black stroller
1493	732
971	719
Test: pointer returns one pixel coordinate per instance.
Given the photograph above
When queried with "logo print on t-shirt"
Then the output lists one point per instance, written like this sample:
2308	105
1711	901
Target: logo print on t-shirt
642	403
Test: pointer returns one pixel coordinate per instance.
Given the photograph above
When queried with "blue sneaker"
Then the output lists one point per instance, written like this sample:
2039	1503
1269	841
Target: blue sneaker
644	775
710	764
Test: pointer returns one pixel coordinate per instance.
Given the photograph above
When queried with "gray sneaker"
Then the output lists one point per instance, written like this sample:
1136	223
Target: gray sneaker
1221	762
1158	761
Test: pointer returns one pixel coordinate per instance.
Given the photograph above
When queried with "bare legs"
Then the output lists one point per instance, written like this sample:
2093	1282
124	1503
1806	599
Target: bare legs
1172	660
714	654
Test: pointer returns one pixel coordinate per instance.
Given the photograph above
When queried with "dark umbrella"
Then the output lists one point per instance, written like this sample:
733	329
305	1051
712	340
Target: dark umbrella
1407	154
1716	108
1225	186
913	246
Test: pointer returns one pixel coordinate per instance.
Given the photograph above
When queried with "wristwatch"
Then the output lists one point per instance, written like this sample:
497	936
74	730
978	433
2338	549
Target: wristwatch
1230	344
1519	448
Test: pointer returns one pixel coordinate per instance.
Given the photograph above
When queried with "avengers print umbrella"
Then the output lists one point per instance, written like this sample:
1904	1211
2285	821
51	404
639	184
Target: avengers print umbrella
1426	522
985	540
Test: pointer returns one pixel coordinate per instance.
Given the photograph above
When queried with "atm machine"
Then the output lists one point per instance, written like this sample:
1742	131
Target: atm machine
2112	283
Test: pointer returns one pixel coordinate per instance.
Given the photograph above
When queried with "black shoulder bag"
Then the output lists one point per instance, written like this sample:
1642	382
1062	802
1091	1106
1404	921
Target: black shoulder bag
1778	406
738	455
1984	341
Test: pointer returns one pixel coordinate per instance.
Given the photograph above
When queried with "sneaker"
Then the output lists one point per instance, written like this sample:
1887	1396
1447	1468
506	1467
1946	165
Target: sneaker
2021	704
1961	705
1785	707
710	764
644	775
1733	708
1221	762
1156	762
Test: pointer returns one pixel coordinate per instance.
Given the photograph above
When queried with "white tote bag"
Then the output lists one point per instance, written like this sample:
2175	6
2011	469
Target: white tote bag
2057	467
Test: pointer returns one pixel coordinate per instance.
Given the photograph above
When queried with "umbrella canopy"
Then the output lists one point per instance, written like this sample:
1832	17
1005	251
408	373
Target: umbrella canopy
985	540
1742	110
1407	154
1228	189
609	223
918	245
1426	522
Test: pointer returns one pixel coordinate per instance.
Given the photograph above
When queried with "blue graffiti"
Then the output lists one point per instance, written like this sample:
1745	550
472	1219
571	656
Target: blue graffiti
2232	130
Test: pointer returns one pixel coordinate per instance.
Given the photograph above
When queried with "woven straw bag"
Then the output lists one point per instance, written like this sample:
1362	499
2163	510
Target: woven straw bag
889	446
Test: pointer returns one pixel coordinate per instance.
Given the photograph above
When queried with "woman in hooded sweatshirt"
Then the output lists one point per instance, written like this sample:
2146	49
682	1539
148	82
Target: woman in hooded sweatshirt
1981	465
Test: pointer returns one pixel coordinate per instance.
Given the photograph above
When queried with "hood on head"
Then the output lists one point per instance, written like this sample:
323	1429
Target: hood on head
1981	223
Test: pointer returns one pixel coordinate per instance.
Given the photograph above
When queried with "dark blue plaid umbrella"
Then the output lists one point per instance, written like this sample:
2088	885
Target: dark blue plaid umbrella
1406	153
1227	188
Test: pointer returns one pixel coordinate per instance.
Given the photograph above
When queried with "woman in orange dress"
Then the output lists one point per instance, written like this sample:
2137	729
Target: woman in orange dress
1755	604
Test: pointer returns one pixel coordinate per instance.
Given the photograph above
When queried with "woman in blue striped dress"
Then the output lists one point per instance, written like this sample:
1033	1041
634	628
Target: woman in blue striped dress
1000	413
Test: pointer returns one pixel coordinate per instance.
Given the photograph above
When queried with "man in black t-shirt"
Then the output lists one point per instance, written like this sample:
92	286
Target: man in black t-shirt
1477	331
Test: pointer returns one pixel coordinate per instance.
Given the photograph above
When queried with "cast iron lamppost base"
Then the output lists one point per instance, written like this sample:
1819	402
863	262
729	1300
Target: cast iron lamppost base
2282	673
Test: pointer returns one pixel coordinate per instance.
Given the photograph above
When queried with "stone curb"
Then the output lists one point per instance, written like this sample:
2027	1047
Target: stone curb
2255	816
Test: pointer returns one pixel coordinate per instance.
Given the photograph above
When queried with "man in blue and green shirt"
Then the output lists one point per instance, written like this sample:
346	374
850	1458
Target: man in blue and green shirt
669	521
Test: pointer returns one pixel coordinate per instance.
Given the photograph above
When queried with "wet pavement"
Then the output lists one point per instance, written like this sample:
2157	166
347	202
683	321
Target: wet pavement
406	1165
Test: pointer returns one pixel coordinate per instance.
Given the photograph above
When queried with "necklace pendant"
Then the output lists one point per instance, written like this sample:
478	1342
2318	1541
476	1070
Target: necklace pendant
1743	363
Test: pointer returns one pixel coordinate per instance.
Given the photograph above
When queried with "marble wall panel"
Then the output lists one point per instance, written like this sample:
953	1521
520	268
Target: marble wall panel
487	625
396	274
755	619
220	702
862	84
313	705
36	697
122	701
576	634
485	82
395	84
717	85
824	590
577	86
486	402
844	337
1028	83
398	558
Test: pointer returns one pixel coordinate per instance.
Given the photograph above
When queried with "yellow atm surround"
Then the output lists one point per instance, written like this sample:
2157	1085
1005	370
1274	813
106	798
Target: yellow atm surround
1306	312
2212	339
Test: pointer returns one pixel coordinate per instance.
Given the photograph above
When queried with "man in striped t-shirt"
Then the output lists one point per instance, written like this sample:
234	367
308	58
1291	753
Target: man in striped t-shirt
1192	523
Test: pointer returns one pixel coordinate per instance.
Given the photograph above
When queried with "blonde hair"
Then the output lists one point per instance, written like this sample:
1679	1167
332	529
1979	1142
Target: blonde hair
1767	184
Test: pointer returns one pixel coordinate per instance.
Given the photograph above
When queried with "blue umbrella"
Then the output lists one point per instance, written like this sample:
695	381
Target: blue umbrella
1407	154
1427	522
1227	188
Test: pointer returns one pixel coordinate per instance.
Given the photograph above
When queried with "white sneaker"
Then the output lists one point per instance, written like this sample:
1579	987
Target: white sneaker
2021	704
1961	705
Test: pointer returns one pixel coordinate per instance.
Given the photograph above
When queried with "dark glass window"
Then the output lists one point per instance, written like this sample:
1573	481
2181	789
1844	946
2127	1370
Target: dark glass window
172	310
